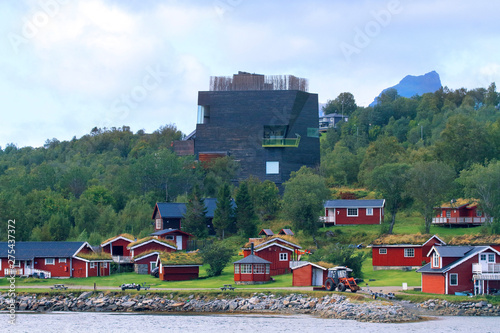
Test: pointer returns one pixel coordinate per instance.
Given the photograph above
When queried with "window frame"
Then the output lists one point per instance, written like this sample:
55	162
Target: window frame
259	268
350	210
453	275
491	255
409	252
272	167
283	256
435	260
159	224
246	269
92	265
382	250
62	260
48	259
237	269
369	211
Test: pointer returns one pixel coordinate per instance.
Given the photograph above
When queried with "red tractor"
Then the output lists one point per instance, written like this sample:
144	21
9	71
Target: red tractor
338	278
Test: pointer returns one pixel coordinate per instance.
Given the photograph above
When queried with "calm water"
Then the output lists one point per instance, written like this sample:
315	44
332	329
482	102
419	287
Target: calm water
111	322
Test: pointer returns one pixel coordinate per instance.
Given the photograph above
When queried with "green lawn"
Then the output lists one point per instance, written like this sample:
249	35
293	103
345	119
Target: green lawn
384	278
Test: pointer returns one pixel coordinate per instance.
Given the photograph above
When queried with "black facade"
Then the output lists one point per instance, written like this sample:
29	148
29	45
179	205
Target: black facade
270	132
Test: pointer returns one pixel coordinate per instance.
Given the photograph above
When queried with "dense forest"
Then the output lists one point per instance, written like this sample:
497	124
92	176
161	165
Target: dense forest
107	182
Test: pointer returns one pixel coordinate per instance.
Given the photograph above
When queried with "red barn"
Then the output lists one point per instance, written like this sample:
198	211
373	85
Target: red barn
117	247
180	237
459	269
149	244
459	212
400	251
281	253
347	212
309	274
179	266
53	259
252	270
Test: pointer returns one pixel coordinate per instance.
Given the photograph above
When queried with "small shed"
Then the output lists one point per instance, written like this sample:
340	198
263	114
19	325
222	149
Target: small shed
310	274
145	262
179	266
266	233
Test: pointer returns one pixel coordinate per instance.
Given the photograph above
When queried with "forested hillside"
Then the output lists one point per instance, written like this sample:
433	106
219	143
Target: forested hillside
108	181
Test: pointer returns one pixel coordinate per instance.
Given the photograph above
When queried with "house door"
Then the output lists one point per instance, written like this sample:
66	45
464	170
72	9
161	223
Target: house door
102	269
178	241
483	261
317	277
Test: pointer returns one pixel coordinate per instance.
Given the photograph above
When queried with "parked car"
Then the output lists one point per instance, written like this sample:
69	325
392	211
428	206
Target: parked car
155	272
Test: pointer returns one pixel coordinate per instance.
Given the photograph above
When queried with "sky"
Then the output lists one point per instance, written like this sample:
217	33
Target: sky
67	66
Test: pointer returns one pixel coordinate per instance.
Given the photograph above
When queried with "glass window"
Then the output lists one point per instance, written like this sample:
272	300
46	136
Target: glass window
482	257
92	265
237	269
272	168
267	268
105	265
409	252
448	213
159	224
435	260
50	261
369	211
62	260
283	256
275	132
259	268
152	264
203	114
382	251
491	257
454	279
246	269
352	212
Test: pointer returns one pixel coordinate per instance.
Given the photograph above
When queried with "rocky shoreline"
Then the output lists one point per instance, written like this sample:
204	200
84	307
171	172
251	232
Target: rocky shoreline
329	306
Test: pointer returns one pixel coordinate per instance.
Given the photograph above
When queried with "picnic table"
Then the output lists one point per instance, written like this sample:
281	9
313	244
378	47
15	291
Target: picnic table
59	287
227	287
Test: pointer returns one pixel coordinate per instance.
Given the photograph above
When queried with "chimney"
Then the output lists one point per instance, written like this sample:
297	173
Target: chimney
251	248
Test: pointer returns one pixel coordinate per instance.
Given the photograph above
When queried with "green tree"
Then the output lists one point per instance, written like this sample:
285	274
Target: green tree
483	182
341	255
224	213
341	165
246	219
217	256
344	104
390	180
195	218
303	199
492	97
429	185
265	197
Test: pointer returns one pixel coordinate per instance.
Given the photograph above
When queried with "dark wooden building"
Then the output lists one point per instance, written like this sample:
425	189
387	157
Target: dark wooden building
267	123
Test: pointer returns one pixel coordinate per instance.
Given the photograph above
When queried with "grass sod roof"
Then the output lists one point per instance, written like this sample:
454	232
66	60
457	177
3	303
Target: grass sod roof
475	240
181	258
127	236
147	239
257	242
95	256
459	203
391	239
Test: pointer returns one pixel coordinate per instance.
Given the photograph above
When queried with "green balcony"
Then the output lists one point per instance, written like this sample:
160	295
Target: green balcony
281	143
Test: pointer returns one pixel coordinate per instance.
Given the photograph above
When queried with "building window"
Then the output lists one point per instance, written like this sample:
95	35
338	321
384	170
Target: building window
50	261
237	269
369	211
448	213
246	269
105	265
159	224
312	132
352	212
283	256
62	260
259	268
435	260
170	237
491	257
92	265
454	279
482	257
272	168
267	268
409	253
203	114
152	265
382	251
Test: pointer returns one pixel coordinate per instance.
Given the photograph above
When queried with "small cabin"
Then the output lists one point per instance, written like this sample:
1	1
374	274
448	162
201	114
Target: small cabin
348	212
460	212
179	266
310	274
252	270
117	247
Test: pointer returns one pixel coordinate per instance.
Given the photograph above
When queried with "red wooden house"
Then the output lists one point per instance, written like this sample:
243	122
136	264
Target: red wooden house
117	247
179	266
310	274
459	269
346	212
459	212
252	269
400	251
180	237
149	244
145	262
53	260
280	252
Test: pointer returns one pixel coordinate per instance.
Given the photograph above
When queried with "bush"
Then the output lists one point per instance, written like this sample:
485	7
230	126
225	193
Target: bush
341	255
217	256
